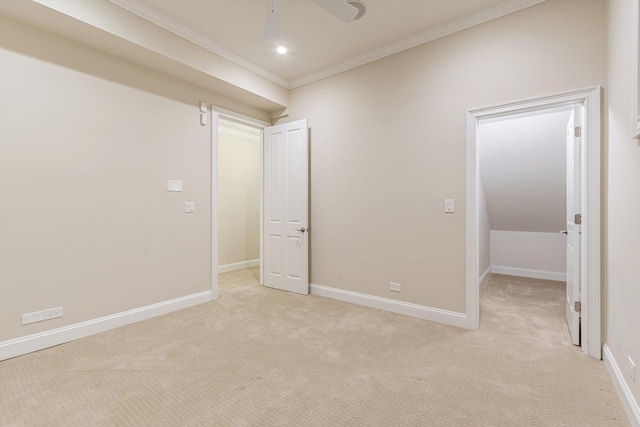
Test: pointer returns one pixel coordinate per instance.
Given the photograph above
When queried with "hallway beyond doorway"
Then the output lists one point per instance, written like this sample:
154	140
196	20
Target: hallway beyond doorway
531	309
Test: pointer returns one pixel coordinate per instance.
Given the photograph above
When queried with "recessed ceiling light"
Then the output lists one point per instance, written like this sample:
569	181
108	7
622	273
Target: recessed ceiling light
281	50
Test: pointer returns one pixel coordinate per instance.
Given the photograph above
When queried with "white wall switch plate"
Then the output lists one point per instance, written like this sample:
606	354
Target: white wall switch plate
632	368
203	107
448	205
189	207
36	316
52	313
203	119
174	185
395	287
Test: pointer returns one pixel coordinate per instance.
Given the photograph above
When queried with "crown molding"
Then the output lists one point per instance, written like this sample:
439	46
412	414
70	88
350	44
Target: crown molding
413	41
168	24
186	33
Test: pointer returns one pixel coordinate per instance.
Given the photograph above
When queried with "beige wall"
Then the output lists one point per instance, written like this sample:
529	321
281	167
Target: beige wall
388	145
238	197
622	243
87	143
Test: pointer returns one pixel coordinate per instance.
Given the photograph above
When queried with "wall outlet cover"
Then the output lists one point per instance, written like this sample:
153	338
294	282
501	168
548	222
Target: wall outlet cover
174	185
52	313
395	287
36	316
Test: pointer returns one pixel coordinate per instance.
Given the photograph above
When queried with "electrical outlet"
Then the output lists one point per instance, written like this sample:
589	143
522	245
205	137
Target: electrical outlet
632	368
34	317
395	287
189	207
52	313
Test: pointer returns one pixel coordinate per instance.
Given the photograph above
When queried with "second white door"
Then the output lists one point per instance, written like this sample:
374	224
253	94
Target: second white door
574	131
286	207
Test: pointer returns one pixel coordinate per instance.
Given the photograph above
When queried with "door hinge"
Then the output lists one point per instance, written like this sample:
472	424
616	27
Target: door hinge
577	131
577	307
577	219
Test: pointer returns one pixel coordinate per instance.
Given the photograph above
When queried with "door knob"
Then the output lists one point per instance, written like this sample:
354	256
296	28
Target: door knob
301	229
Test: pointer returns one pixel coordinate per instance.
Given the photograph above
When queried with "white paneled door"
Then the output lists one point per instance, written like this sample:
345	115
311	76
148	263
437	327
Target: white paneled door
286	207
574	219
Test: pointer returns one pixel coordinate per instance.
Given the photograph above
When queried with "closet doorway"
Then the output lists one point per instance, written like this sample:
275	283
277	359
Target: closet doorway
239	183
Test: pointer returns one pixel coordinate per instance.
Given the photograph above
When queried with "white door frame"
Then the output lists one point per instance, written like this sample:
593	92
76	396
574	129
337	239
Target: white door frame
216	113
589	99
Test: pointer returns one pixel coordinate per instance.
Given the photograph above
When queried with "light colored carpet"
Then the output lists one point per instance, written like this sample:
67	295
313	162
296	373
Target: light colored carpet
261	357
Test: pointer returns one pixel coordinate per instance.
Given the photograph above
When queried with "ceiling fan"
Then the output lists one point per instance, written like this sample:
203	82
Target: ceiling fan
347	10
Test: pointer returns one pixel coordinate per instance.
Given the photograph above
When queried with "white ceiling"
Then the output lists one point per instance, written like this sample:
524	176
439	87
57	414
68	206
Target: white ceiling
319	44
523	170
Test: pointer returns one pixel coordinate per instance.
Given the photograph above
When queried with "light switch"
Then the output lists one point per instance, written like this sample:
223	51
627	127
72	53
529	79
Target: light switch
174	185
203	119
448	205
203	107
189	207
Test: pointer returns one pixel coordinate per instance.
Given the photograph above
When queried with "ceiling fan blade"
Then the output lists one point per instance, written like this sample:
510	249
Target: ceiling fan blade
339	8
274	16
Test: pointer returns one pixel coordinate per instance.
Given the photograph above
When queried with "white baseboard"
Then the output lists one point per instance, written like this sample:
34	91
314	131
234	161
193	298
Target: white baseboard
238	265
486	272
39	341
400	307
628	401
526	272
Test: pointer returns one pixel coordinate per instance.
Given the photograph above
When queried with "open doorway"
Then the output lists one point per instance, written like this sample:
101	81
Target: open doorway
585	133
236	205
283	203
239	197
523	184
